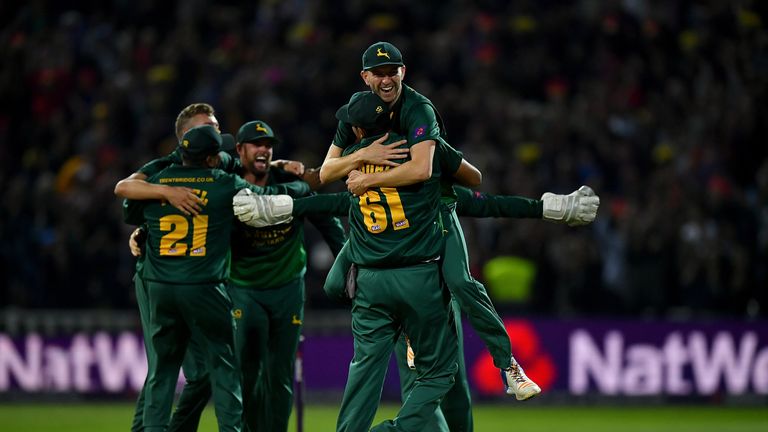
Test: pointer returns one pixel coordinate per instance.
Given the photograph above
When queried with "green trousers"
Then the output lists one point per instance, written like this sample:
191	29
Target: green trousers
269	324
197	389
176	313
471	295
455	411
472	299
388	302
143	302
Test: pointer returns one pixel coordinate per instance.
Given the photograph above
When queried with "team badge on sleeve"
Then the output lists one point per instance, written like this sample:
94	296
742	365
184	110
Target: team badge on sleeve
421	130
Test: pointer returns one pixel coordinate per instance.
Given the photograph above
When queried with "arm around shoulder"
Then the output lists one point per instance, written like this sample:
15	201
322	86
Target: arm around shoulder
336	166
416	170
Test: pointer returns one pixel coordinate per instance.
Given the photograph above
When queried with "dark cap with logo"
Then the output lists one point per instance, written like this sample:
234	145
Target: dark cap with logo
381	53
366	110
254	131
200	141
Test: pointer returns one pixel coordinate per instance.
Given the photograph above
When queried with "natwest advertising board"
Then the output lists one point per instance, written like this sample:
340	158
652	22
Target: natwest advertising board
621	358
632	358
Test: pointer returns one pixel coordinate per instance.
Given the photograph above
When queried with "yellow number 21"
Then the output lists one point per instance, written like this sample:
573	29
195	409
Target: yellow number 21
171	245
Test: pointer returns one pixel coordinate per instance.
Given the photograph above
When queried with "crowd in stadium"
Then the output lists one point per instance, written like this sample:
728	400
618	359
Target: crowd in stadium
655	105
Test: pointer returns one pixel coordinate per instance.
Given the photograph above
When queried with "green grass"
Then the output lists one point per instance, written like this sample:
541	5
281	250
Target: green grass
492	418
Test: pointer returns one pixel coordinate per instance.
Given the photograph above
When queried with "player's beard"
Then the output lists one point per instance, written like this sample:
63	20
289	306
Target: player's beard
259	169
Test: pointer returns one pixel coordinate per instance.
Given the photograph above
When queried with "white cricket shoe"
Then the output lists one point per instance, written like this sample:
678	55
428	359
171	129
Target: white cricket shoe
517	383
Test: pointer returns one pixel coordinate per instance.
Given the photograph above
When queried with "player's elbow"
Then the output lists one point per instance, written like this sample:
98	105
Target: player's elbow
324	175
475	180
467	175
120	189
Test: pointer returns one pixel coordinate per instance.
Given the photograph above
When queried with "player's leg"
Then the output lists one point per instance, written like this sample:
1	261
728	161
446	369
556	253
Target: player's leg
425	319
143	302
474	301
407	376
275	388
170	335
209	310
251	329
456	406
374	334
455	411
471	295
197	387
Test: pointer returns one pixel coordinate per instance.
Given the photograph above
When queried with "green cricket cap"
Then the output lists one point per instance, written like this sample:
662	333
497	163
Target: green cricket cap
202	140
365	109
381	53
254	131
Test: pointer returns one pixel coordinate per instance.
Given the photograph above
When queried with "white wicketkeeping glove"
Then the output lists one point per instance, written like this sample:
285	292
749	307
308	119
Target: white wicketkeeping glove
262	210
577	208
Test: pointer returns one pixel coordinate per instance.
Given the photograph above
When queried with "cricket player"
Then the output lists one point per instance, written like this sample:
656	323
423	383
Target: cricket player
395	241
267	289
187	415
185	271
414	116
197	389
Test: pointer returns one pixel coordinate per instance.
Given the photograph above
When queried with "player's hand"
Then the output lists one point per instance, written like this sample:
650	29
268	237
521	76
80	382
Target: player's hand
357	182
312	177
262	210
380	154
137	236
294	167
575	209
184	199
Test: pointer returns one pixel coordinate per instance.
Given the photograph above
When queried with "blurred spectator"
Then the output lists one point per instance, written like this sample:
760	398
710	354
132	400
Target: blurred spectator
659	106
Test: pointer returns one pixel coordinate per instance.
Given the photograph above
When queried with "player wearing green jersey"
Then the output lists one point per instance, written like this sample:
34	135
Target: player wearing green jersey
383	72
395	241
267	289
197	388
187	415
386	83
186	267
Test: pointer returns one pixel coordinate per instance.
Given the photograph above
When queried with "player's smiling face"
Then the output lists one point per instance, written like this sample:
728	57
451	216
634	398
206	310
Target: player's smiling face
386	81
256	156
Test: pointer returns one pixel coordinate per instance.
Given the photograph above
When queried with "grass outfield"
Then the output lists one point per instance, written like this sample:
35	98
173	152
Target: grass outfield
492	418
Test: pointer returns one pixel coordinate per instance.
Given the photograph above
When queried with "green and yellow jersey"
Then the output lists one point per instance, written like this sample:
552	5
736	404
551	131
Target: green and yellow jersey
269	257
394	227
192	249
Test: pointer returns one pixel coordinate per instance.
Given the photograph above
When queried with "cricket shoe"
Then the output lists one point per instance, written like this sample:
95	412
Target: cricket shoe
517	383
410	357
